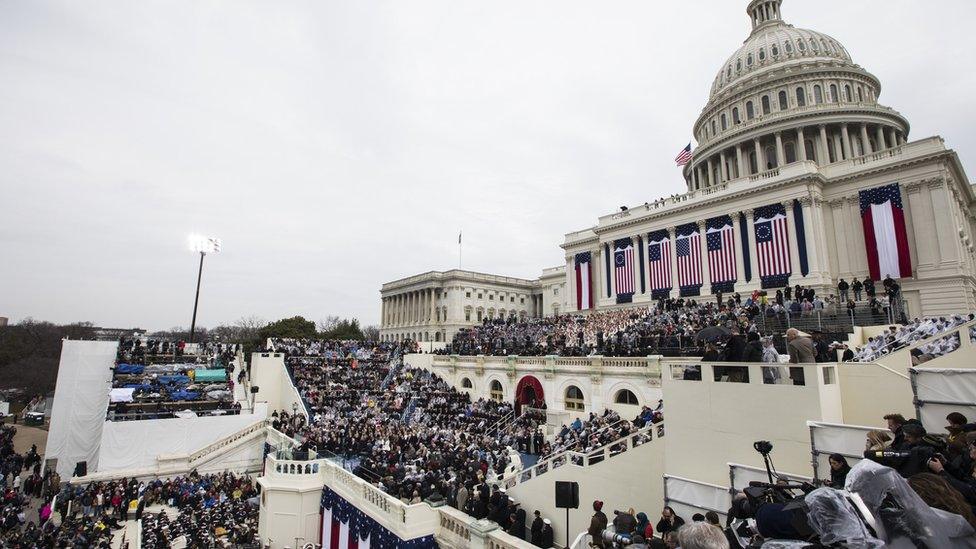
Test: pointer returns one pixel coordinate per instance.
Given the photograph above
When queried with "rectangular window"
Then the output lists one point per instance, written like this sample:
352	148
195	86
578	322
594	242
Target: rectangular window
686	373
829	375
730	374
555	291
479	316
481	296
523	301
491	297
467	316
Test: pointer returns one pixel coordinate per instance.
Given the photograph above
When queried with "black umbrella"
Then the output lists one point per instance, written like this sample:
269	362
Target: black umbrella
713	334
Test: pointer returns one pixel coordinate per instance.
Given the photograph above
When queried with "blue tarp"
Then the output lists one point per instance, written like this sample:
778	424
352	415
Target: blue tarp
129	368
184	395
175	380
138	386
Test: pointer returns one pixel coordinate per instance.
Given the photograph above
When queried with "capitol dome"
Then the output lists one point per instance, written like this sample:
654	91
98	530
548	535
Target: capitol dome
775	44
787	95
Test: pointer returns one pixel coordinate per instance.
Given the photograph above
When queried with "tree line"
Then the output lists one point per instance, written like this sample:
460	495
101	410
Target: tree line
30	350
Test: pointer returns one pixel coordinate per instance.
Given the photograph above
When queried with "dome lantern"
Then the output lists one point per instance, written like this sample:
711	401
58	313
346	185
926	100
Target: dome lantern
764	11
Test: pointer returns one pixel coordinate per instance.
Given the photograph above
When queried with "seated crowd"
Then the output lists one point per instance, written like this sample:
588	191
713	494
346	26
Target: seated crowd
155	379
670	328
899	337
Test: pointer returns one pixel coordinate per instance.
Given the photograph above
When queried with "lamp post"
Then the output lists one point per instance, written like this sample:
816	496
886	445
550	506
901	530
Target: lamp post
203	245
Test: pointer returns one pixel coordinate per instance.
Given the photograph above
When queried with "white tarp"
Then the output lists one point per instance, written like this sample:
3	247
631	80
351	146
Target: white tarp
120	395
138	444
80	404
742	475
939	391
688	497
831	438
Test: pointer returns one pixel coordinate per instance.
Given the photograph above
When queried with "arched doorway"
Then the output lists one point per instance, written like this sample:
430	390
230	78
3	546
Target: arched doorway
529	392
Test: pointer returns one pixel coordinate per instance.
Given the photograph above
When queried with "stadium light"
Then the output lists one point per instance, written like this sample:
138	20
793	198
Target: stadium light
203	245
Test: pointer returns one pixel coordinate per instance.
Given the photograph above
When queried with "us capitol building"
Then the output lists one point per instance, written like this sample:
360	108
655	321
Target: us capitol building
800	176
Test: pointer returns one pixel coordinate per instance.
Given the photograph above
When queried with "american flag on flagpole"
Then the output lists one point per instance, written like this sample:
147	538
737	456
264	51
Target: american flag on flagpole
623	260
773	245
684	156
688	248
659	254
721	251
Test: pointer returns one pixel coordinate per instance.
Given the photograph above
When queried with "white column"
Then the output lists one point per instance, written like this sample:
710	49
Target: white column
722	177
703	247
865	140
710	173
856	251
636	267
879	138
815	232
740	271
841	240
613	271
794	247
845	137
923	225
675	286
824	151
571	284
780	154
753	261
948	235
739	168
801	145
892	138
760	160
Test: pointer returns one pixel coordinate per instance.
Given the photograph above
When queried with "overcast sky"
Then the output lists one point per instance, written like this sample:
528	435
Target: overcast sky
336	145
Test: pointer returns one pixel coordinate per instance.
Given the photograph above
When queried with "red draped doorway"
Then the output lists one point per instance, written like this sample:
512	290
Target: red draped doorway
528	392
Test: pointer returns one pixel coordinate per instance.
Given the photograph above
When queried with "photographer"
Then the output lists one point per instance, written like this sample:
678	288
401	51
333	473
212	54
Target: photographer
909	458
670	522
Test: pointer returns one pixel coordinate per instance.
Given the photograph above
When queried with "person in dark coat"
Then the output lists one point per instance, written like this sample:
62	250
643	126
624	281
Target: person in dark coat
838	470
670	522
735	347
546	535
753	350
537	529
517	524
598	523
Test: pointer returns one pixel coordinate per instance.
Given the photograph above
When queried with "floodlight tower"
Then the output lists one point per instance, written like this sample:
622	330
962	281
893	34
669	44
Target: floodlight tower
203	245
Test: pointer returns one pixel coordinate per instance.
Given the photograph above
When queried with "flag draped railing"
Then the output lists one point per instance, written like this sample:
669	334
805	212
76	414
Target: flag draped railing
688	258
720	242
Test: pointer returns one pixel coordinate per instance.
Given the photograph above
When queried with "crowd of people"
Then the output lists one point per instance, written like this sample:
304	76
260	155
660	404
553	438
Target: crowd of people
894	338
156	379
406	430
218	510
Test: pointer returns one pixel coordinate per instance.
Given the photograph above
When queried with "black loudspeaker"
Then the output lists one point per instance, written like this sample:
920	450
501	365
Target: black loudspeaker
567	495
254	389
81	469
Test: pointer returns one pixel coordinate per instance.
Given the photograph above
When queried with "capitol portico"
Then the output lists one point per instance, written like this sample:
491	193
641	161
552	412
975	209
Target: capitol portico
792	130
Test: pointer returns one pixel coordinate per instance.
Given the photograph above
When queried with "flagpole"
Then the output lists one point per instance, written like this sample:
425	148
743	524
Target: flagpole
459	250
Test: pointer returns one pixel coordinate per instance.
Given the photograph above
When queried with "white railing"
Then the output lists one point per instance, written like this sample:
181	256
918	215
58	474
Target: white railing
574	458
229	440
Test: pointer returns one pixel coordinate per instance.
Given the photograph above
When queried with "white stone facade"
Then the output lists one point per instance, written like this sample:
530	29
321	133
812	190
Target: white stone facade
433	306
786	87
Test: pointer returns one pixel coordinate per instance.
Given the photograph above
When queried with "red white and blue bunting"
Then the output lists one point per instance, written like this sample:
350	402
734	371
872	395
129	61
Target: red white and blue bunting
344	526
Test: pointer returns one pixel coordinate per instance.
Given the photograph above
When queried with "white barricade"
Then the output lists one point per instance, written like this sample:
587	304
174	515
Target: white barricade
939	391
688	497
837	438
741	475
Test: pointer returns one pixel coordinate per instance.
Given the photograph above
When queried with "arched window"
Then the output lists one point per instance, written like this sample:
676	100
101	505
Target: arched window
817	94
750	111
801	45
749	60
789	47
790	150
738	65
833	93
574	398
713	127
847	93
735	115
783	104
496	391
801	97
466	383
762	54
770	154
725	125
813	45
626	396
765	105
811	155
728	74
775	50
860	94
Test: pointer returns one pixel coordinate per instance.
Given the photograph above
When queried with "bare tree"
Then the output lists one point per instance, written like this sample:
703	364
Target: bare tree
328	324
372	333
